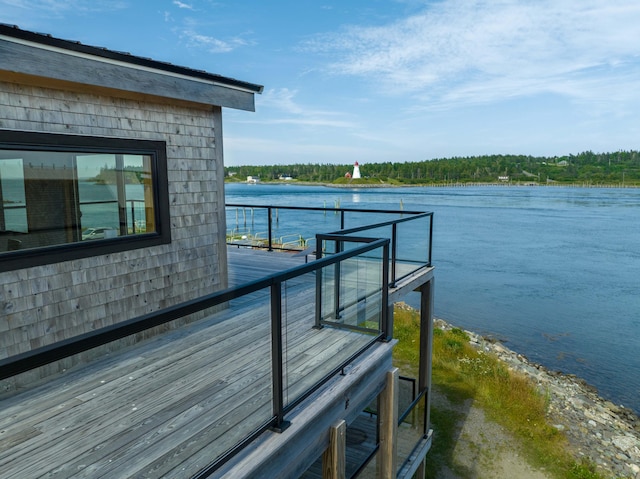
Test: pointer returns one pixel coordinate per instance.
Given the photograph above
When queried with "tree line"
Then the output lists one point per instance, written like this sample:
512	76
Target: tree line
621	167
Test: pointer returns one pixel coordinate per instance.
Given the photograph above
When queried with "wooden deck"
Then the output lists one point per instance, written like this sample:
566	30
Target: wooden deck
171	405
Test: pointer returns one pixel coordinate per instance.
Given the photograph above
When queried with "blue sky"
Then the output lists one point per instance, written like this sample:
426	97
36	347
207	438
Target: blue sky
388	80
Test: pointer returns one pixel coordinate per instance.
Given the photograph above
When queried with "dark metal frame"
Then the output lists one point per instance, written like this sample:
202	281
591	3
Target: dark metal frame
393	279
338	307
37	141
48	354
406	216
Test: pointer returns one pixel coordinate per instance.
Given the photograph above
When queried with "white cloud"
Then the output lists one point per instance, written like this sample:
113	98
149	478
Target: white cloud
283	100
459	50
211	44
182	5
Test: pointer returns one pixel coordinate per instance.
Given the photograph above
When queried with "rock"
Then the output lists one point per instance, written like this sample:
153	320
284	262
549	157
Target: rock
625	442
598	430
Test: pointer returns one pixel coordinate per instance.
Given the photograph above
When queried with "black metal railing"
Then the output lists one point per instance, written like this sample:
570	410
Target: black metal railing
130	212
412	246
412	420
43	356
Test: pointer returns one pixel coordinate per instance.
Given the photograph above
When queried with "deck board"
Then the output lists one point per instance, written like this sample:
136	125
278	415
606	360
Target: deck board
168	406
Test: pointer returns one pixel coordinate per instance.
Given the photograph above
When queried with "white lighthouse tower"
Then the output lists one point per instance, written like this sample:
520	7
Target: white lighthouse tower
356	171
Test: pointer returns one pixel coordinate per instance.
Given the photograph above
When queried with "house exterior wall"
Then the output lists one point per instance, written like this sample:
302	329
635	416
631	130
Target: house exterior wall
45	304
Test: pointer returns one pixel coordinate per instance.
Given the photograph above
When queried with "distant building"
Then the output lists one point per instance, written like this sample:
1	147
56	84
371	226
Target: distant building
253	179
356	171
503	178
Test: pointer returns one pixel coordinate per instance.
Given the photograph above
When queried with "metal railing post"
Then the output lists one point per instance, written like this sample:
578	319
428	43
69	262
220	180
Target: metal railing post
277	366
387	318
394	251
270	230
430	237
336	282
319	275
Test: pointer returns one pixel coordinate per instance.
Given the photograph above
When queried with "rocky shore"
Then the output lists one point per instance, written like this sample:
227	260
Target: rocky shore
598	430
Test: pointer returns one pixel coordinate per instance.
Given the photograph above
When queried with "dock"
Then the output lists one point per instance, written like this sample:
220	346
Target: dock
172	404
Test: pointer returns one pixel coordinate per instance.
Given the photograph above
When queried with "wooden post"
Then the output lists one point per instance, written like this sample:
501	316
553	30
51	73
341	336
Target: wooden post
334	458
426	351
388	417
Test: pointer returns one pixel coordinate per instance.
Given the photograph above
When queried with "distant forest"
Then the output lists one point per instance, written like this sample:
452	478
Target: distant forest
588	168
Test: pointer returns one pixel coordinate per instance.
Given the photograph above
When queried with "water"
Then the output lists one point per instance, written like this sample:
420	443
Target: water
553	272
94	214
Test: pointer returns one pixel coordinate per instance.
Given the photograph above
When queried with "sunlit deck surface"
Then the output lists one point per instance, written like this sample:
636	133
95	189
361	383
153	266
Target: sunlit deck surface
172	404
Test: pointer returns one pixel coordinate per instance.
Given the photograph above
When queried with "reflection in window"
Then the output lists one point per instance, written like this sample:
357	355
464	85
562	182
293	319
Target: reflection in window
54	197
13	214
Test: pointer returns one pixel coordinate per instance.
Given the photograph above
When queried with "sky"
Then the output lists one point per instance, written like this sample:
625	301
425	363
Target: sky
387	80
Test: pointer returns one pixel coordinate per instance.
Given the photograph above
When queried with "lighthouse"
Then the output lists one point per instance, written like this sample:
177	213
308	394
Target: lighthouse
356	171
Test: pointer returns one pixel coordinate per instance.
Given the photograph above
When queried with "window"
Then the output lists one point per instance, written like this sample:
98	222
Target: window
66	197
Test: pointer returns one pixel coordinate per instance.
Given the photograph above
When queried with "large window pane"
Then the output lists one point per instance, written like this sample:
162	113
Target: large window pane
80	195
116	195
51	198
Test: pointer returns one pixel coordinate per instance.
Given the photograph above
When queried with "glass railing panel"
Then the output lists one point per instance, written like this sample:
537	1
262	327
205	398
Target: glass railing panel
204	381
413	239
294	229
362	443
354	219
247	226
351	291
411	430
303	346
329	316
291	229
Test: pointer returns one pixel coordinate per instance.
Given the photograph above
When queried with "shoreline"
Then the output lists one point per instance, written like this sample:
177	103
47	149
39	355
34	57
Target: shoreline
438	185
596	429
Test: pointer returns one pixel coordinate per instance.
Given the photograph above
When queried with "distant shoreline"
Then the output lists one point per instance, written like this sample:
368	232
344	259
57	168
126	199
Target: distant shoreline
438	185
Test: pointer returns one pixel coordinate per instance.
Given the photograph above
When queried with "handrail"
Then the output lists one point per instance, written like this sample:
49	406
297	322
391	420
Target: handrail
394	239
44	355
405	216
320	208
27	361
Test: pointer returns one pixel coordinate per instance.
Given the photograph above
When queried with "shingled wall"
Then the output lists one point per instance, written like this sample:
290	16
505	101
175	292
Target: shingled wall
44	304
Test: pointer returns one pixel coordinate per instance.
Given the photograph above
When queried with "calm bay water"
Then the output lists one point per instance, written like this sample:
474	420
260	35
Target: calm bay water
554	272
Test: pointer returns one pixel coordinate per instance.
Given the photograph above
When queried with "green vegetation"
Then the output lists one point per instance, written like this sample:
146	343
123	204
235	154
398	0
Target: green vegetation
108	176
588	168
462	372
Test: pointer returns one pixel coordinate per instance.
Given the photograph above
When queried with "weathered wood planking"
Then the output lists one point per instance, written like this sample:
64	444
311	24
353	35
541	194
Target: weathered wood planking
173	404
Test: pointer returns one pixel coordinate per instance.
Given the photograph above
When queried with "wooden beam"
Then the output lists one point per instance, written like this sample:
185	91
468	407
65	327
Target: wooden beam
98	72
426	351
335	456
289	454
388	417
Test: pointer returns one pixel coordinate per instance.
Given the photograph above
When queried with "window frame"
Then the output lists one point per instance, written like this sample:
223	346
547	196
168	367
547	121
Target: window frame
40	141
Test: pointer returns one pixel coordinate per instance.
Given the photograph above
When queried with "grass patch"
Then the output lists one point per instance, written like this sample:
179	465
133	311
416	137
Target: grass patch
463	372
